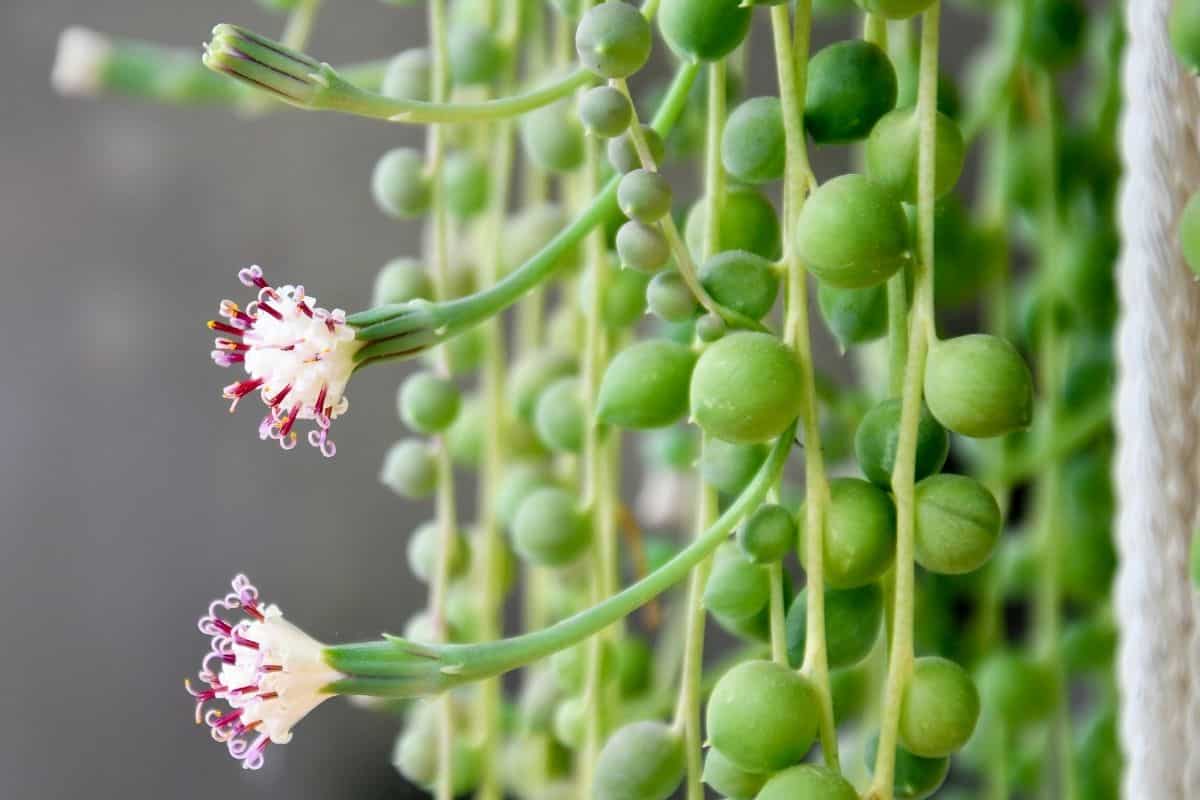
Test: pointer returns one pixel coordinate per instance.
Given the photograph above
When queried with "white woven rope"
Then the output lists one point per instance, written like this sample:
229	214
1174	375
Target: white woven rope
1157	420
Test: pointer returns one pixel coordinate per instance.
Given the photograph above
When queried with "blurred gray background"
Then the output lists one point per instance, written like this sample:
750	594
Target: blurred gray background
130	497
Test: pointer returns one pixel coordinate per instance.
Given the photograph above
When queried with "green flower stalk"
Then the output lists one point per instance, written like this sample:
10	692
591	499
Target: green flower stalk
89	63
395	667
300	80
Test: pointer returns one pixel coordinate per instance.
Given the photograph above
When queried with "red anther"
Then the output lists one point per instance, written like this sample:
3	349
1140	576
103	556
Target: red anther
252	610
270	310
304	309
290	420
217	325
277	399
225	720
242	641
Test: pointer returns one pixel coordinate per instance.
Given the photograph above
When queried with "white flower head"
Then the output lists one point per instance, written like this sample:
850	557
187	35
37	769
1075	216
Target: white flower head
297	355
79	62
265	673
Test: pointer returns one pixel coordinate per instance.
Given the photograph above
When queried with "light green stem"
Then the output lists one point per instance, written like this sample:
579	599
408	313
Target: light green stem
397	668
792	73
500	142
598	491
903	477
446	508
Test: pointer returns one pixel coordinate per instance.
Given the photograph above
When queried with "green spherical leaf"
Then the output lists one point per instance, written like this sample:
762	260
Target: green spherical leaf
741	281
428	403
644	195
520	481
808	782
878	436
852	233
721	404
860	535
728	467
646	385
768	534
641	761
854	316
707	30
464	437
613	39
728	779
851	85
605	111
642	247
891	153
762	716
670	299
549	528
466	181
408	76
399	183
475	54
736	588
939	708
553	138
979	386
424	550
674	448
752	144
401	280
748	222
853	618
532	374
409	469
957	524
559	416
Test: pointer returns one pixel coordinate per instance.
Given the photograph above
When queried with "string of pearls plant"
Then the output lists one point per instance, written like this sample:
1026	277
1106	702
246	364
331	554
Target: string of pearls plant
952	633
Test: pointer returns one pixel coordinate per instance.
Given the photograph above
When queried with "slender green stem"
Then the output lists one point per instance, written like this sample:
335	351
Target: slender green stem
903	476
796	333
499	142
445	502
597	475
687	707
288	74
687	712
778	615
684	262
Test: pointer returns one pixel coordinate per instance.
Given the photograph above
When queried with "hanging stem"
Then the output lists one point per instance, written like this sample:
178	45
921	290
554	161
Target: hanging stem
445	502
791	65
598	491
921	335
687	711
492	473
